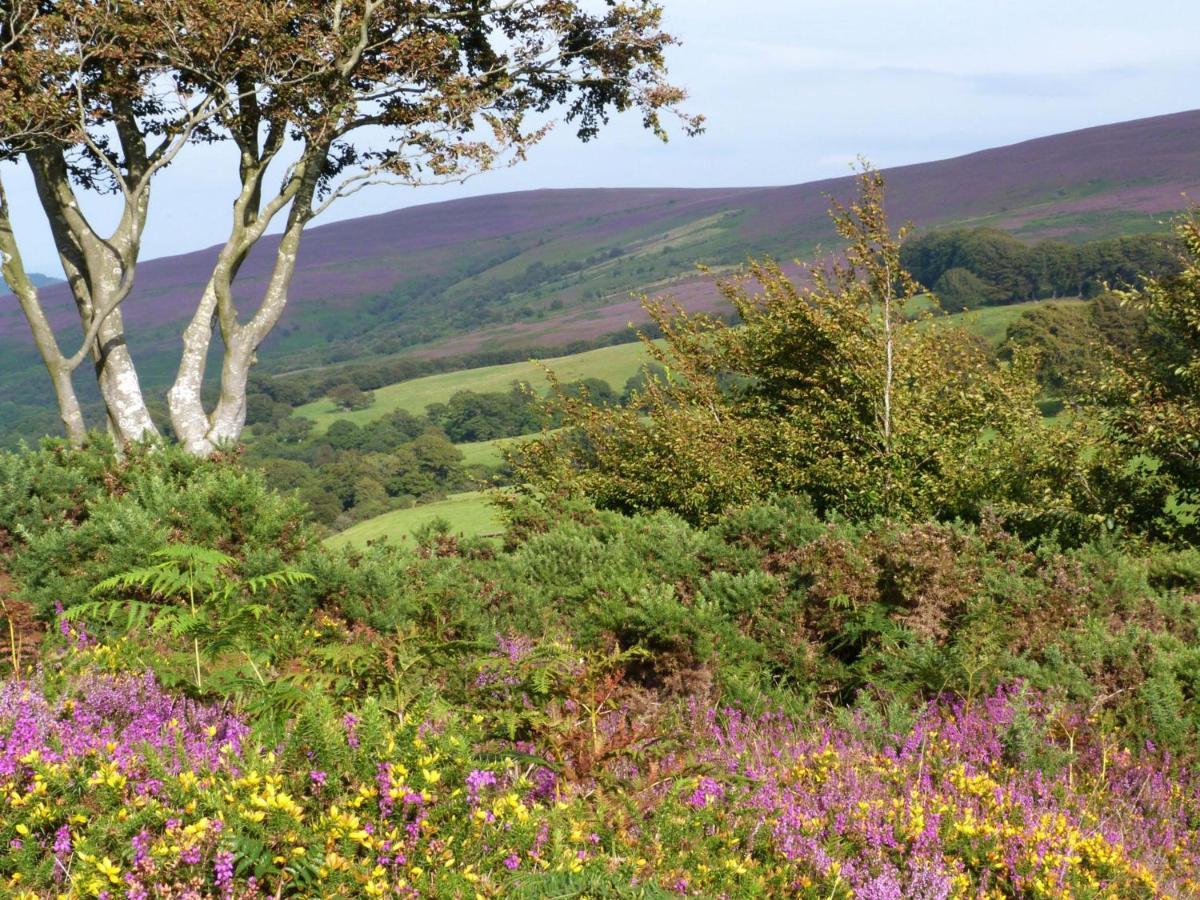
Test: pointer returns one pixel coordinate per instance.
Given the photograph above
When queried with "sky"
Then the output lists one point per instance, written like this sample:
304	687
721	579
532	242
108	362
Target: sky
793	91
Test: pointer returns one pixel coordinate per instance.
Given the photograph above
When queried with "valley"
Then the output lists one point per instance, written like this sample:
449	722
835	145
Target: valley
501	278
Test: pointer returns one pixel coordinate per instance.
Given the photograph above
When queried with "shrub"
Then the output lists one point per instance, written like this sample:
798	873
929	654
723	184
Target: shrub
842	390
75	517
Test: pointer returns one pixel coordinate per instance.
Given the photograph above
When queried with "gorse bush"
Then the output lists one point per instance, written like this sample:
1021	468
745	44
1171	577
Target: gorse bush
772	606
183	801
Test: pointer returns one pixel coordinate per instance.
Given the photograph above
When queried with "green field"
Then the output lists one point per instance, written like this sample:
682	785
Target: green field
991	322
469	514
485	453
612	364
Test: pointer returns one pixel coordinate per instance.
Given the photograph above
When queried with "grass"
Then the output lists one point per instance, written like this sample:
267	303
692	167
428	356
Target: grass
485	453
612	364
991	322
468	514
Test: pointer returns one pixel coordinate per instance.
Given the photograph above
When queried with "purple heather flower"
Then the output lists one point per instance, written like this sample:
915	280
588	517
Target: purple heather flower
141	847
383	782
62	851
477	780
223	872
707	791
515	647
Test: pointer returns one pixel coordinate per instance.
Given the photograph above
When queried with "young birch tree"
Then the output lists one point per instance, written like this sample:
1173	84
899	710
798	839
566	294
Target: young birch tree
320	98
840	385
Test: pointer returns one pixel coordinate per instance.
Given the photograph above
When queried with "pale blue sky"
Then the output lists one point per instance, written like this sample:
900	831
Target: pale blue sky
795	89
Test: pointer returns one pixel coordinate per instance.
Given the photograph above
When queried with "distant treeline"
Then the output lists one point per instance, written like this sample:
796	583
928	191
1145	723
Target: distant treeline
968	268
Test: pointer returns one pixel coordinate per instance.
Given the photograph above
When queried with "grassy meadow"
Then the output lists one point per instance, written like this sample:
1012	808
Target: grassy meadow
612	364
468	514
485	453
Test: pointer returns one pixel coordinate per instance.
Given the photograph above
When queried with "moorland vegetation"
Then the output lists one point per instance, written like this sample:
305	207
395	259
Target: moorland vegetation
826	607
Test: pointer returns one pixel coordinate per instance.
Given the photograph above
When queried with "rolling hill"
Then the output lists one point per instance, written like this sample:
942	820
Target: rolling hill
547	268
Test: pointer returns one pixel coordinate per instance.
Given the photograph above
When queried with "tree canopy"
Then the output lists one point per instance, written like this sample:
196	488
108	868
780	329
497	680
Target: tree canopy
320	99
842	390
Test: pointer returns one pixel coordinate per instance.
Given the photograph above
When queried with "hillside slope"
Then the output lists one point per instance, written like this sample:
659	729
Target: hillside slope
545	268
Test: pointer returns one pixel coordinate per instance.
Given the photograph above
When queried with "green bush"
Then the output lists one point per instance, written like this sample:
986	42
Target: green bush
772	606
75	517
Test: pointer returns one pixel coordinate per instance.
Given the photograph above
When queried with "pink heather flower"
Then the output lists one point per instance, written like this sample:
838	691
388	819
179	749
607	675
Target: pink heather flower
515	647
383	781
477	780
706	791
141	847
512	862
62	851
349	721
223	872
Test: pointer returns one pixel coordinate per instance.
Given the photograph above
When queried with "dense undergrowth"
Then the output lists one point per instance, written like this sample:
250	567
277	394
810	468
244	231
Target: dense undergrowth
598	705
829	612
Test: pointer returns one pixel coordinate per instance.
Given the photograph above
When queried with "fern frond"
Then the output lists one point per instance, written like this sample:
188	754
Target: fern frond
124	614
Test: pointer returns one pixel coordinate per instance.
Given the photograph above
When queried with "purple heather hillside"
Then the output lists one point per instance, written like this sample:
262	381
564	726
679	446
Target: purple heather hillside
1139	167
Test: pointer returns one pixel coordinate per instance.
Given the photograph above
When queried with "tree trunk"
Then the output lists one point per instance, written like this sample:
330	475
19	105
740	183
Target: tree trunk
13	269
100	273
200	432
188	417
129	418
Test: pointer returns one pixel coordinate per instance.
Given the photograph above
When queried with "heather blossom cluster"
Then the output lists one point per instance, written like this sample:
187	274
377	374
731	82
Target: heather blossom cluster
113	787
118	716
953	807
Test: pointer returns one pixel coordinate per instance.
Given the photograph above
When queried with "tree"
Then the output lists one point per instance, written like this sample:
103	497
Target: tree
959	289
344	435
840	390
319	99
350	397
1149	403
